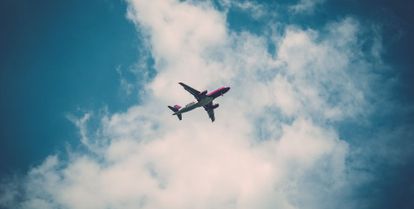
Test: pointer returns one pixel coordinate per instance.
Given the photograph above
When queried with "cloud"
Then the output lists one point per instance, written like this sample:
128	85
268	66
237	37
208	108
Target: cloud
305	6
254	9
81	124
147	159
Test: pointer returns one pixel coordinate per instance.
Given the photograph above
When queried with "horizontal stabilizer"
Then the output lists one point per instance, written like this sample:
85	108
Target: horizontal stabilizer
175	109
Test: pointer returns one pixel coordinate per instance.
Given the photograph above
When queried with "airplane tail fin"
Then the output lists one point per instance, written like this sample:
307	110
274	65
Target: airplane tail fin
175	109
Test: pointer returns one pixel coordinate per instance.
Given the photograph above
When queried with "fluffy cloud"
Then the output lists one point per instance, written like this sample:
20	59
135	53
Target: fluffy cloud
271	146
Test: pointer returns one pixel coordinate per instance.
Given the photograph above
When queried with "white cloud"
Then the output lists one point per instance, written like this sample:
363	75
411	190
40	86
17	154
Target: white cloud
254	9
321	68
81	124
305	6
151	160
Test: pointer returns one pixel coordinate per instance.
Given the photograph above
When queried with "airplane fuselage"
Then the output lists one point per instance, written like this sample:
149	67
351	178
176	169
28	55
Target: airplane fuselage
192	105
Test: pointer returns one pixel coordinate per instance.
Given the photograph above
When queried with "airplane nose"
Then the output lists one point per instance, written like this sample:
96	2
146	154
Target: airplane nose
227	89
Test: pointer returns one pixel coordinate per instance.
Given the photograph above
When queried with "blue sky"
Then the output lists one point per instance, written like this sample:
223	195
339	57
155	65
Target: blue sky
116	67
58	57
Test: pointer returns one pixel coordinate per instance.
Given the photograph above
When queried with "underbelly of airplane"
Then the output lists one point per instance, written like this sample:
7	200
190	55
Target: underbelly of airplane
205	101
192	106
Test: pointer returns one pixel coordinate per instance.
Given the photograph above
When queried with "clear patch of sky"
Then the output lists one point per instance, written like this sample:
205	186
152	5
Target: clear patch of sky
58	57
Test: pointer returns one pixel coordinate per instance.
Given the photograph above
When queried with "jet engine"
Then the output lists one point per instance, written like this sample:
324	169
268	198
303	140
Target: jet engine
215	106
204	92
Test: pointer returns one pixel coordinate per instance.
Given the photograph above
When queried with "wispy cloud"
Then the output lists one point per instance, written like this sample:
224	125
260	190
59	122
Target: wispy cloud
254	9
305	6
151	160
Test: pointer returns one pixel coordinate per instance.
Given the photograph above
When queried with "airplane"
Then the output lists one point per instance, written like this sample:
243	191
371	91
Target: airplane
204	99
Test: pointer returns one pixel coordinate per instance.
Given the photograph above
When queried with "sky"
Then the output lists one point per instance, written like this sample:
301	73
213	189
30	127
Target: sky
319	115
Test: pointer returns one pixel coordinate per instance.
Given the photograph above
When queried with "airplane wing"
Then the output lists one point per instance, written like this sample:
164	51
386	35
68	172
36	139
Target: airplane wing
210	111
192	91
